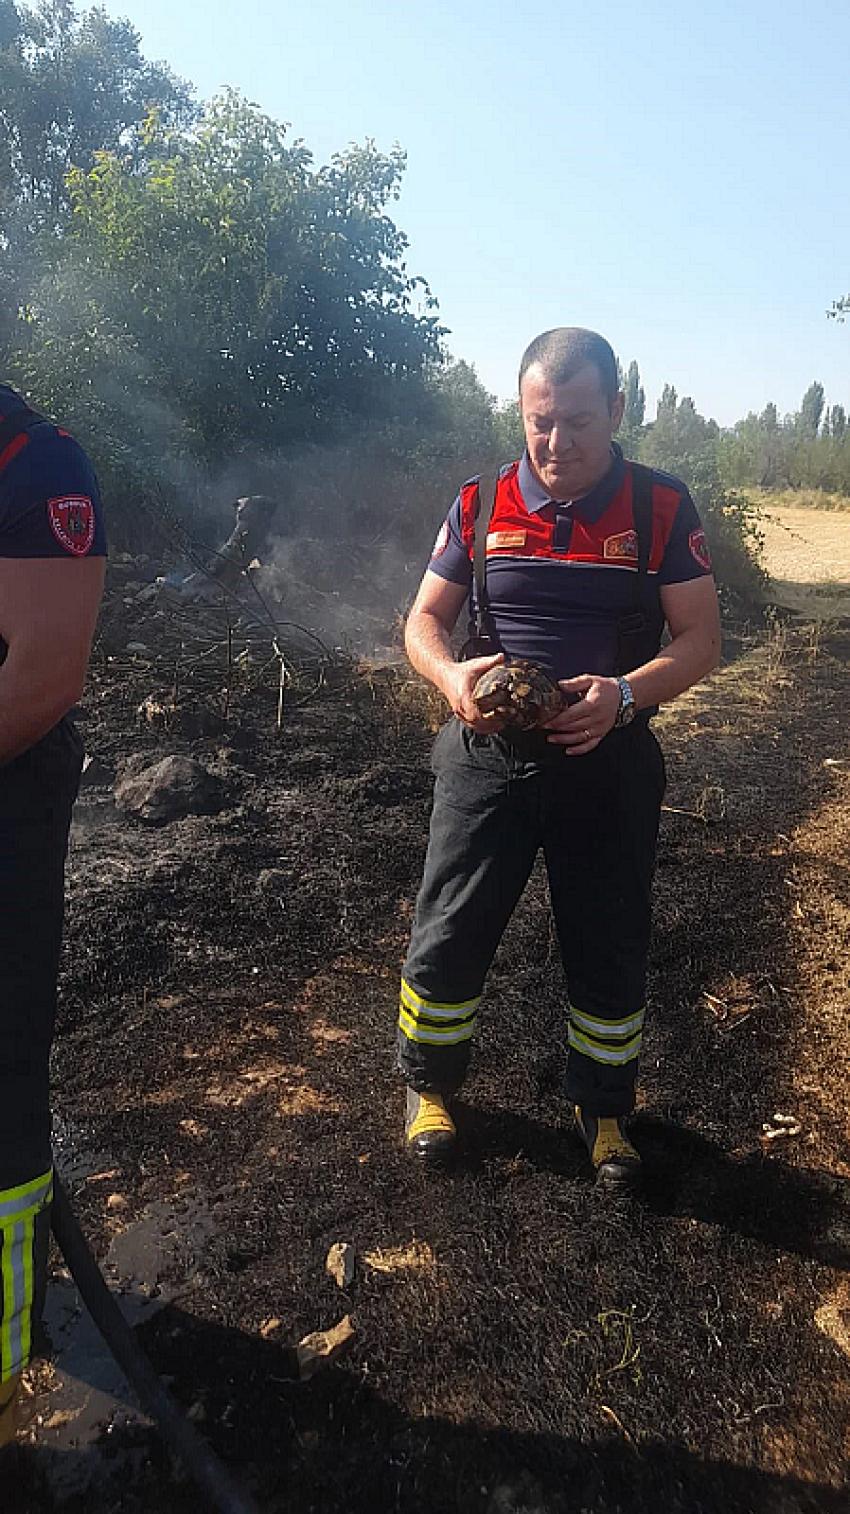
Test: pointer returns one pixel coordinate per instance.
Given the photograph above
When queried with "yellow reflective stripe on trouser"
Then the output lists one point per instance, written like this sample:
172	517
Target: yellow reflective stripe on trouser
613	1052
607	1030
614	1042
17	1203
435	1022
18	1210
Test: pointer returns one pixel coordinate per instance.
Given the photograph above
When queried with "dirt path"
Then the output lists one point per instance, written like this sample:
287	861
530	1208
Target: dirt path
807	554
224	1075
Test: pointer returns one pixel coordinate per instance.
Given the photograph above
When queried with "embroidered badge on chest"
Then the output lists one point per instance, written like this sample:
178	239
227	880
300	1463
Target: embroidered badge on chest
497	539
72	522
699	549
622	547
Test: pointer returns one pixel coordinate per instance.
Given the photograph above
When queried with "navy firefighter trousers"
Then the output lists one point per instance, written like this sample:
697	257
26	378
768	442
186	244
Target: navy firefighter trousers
37	791
497	801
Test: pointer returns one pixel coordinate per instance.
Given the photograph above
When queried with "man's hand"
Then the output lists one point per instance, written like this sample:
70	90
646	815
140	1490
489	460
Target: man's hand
581	727
457	683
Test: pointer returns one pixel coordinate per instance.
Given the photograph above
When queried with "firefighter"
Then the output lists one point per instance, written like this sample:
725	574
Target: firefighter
52	550
563	565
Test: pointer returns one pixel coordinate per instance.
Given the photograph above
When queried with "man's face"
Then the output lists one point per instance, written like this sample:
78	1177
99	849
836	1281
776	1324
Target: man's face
568	430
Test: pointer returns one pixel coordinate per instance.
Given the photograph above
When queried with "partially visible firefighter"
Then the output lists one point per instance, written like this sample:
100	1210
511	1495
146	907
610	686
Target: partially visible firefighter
52	562
587	556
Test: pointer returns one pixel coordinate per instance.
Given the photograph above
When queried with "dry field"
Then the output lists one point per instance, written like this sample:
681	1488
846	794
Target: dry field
807	554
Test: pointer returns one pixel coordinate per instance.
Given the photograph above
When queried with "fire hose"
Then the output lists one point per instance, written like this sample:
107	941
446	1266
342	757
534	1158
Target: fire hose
180	1436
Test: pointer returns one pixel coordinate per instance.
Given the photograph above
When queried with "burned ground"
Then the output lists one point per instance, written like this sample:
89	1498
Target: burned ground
226	1041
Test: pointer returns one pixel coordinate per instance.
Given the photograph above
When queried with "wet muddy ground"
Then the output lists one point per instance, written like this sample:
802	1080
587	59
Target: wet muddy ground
227	1110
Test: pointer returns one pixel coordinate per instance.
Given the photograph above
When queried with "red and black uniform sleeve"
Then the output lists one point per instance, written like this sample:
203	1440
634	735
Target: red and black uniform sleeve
450	556
686	554
50	504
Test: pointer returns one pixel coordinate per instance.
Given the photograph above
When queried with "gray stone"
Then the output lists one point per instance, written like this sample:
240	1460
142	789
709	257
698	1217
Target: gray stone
168	790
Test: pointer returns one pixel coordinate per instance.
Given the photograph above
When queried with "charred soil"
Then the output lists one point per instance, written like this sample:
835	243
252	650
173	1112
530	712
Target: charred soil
226	1042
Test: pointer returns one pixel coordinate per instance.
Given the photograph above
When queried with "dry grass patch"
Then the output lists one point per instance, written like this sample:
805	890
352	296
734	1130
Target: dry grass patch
796	499
415	1257
308	1100
833	1318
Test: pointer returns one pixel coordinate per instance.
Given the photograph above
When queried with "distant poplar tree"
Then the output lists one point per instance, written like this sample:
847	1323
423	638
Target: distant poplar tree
635	411
668	401
811	411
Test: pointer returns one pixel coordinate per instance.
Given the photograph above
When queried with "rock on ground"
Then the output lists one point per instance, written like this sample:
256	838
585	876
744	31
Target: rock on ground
168	790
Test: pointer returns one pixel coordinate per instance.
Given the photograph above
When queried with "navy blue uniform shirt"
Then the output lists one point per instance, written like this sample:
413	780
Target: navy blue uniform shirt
560	575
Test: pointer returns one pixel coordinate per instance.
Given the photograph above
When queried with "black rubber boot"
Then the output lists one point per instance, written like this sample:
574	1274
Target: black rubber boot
430	1134
615	1161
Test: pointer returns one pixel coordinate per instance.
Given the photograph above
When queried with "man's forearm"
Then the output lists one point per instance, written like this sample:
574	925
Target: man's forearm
429	647
683	662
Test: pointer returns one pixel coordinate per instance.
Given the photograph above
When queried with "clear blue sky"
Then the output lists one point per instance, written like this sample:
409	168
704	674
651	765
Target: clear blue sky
674	175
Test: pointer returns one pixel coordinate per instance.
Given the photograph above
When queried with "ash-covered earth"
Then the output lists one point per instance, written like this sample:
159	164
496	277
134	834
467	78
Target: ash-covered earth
227	1110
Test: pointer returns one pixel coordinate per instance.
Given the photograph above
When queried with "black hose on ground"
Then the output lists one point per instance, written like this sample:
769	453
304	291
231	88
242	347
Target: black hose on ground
179	1435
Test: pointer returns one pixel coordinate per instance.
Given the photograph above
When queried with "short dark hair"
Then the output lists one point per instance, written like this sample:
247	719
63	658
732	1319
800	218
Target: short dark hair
566	349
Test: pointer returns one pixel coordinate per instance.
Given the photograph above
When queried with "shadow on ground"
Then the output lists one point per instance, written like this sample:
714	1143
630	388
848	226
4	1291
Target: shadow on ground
337	1445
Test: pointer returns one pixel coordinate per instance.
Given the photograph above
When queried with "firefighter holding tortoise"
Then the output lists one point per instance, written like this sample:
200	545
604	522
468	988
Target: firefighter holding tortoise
588	557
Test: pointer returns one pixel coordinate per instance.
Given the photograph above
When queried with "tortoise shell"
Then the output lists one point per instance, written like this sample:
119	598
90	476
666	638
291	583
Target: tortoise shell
519	694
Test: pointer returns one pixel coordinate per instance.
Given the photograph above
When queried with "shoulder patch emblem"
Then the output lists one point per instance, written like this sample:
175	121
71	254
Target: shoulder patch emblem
699	549
442	541
496	539
72	522
623	545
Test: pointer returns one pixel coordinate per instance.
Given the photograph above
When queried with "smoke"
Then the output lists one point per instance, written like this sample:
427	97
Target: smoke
356	516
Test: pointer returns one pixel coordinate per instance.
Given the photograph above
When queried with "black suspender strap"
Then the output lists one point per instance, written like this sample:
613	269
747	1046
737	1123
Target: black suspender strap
486	504
482	638
22	419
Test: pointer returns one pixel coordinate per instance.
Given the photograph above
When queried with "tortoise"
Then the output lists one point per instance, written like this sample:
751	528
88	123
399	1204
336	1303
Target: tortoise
518	694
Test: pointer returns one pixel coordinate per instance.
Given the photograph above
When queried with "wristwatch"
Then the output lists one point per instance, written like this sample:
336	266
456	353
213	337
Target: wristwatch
626	710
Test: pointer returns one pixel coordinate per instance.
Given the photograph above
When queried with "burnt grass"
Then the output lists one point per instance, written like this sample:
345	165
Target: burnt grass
226	1031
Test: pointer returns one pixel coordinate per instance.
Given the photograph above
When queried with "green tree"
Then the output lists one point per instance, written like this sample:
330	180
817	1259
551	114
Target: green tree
221	296
754	451
668	402
811	411
683	442
679	434
510	437
635	408
72	85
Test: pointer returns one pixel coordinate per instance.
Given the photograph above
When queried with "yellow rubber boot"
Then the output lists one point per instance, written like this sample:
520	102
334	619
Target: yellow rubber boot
9	1409
615	1161
430	1132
